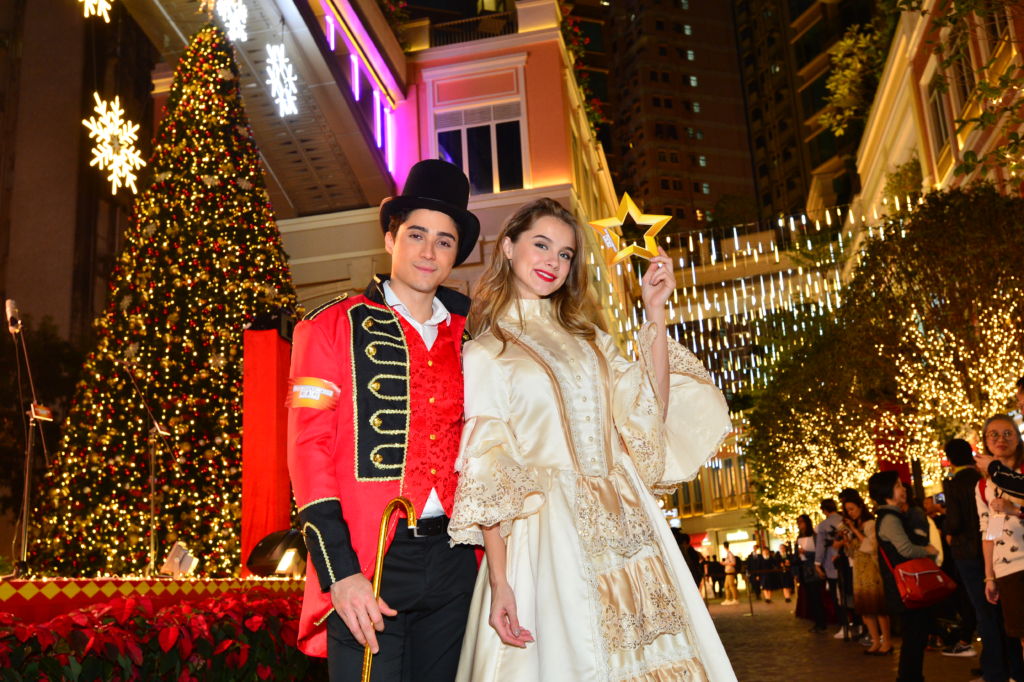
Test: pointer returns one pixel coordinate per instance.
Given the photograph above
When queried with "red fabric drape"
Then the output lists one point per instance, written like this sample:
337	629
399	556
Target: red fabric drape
266	493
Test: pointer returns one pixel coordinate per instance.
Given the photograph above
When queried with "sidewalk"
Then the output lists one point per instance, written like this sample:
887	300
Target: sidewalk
773	644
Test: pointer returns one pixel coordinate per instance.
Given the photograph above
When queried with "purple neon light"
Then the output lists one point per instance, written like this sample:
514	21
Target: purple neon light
330	31
389	137
355	75
378	133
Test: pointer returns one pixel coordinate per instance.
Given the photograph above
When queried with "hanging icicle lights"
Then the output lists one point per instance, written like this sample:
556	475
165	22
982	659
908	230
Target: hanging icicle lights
743	290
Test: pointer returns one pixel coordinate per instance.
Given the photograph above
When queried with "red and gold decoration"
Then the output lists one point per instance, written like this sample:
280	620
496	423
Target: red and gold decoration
610	236
202	261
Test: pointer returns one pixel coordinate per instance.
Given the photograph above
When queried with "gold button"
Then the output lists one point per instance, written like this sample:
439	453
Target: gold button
369	323
433	471
376	422
377	458
430	363
431	401
375	386
370	350
433	436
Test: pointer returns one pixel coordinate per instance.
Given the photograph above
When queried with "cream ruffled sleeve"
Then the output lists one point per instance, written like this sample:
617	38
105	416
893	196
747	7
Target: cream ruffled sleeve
494	487
671	450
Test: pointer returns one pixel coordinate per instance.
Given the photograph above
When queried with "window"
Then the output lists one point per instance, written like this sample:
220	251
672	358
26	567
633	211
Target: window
702	161
654	76
665	77
705	188
662	51
992	16
693	81
661	156
690	55
687	30
673	157
695	107
684	4
665	183
937	115
491	154
659	25
656	101
667	102
963	79
677	185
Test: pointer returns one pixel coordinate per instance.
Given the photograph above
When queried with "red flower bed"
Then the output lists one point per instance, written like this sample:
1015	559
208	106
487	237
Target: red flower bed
237	635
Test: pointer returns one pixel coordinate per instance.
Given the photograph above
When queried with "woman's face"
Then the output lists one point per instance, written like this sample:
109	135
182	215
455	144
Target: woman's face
899	493
541	257
852	510
1002	438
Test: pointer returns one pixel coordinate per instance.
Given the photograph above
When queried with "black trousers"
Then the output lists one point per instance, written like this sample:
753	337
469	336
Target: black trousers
430	585
915	625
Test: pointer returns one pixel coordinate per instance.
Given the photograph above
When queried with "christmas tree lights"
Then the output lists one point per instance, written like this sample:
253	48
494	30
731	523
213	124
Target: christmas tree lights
202	259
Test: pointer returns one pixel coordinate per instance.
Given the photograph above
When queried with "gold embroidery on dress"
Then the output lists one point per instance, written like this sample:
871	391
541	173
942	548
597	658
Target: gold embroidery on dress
659	611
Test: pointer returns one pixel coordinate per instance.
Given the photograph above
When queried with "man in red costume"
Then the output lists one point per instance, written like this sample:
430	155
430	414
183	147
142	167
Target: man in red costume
376	412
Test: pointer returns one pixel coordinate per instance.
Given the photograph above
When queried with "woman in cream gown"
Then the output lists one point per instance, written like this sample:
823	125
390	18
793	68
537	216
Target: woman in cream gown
565	445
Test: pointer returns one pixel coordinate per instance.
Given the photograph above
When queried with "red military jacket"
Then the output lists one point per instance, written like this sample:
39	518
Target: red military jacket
374	415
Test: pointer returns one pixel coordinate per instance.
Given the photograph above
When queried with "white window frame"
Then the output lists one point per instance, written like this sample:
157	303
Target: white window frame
512	62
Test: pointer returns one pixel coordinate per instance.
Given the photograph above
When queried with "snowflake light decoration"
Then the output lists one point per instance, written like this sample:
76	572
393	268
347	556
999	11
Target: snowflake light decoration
282	80
115	140
97	8
234	15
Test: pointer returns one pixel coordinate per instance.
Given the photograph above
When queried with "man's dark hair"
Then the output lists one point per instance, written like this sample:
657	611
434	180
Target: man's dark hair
725	544
683	538
396	222
1020	384
829	506
881	486
849	495
959	453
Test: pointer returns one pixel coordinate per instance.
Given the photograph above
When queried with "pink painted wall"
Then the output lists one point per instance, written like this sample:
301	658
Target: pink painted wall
547	120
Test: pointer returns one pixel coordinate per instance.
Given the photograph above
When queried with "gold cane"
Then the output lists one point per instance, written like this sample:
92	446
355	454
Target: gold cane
410	511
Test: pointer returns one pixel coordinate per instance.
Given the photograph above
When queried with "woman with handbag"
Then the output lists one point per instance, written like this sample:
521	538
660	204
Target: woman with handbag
901	537
868	592
1002	529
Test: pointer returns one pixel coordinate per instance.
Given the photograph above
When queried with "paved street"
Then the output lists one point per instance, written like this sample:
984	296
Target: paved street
775	645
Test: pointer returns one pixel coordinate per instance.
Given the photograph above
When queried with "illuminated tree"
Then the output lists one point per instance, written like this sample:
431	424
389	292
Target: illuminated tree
202	259
928	343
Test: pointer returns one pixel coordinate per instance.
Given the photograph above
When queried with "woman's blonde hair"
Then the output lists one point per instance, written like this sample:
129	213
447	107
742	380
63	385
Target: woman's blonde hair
573	303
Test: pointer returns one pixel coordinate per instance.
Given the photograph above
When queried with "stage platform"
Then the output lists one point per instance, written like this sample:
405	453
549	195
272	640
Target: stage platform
37	601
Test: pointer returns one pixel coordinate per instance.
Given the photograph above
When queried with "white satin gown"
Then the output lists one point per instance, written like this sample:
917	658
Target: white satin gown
564	448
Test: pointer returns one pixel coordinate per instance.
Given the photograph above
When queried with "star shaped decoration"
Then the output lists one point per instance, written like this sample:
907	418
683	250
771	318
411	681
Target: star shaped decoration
609	232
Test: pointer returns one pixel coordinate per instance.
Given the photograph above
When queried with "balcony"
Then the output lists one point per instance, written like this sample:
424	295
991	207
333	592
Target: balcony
474	28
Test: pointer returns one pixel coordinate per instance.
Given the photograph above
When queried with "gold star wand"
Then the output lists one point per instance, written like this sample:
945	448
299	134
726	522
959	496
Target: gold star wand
609	232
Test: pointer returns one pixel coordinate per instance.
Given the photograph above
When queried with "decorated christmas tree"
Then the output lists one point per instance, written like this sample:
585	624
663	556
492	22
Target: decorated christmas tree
202	259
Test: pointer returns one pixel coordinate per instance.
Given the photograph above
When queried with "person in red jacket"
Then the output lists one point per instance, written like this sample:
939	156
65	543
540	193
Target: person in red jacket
376	412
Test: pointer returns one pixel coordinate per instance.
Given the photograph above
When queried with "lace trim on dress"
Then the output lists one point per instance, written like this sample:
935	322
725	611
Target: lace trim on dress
493	489
610	517
648	449
652	608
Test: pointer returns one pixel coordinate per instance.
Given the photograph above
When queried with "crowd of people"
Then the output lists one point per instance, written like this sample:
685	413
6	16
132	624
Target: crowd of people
846	569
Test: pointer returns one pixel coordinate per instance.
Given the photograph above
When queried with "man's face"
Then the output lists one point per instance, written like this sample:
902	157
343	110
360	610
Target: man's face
423	251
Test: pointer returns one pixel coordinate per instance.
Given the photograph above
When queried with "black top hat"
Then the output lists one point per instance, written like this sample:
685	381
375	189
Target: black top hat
439	186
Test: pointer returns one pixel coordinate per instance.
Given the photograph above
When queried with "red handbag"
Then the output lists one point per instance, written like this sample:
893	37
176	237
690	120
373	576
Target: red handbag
920	582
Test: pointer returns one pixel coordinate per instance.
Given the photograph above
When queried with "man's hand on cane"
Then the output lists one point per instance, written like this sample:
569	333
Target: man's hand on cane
352	598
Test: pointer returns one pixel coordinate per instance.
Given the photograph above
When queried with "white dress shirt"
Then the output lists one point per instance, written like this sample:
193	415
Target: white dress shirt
428	332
